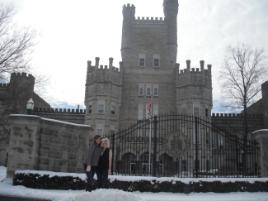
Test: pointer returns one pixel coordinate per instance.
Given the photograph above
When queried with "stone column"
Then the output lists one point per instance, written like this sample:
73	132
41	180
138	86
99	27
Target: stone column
23	143
261	137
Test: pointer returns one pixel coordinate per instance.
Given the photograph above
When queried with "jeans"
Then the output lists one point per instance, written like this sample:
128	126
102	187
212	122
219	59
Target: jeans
90	175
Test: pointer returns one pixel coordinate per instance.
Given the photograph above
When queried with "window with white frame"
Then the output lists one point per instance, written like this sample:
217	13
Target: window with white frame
141	90
140	111
101	106
99	129
155	90
142	60
156	60
148	90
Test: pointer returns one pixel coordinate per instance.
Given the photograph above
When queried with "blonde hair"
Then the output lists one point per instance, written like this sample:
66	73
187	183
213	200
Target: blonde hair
107	141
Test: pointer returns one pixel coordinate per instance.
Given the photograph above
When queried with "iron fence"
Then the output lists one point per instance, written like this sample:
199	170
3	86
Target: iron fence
181	146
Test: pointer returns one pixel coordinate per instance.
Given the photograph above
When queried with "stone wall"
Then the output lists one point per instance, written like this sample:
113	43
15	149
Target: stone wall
46	144
62	114
262	138
233	122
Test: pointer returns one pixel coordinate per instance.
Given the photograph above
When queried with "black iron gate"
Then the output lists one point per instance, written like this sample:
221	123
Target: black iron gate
181	146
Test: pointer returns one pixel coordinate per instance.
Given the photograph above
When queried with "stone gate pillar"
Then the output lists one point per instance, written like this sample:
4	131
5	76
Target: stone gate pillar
23	143
261	137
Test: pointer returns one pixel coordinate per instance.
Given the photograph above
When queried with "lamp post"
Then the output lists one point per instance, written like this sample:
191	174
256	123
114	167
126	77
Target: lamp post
30	106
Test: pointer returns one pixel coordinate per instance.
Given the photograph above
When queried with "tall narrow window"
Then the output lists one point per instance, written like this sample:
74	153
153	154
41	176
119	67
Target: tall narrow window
206	112
142	60
99	129
155	90
141	90
89	109
113	108
101	106
148	90
156	60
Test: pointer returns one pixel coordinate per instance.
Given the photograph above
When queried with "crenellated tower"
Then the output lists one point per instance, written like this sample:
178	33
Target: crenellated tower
171	12
20	90
128	21
149	53
149	38
194	90
103	96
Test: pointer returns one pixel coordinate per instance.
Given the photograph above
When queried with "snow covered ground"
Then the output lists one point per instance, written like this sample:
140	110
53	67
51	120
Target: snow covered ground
2	173
6	188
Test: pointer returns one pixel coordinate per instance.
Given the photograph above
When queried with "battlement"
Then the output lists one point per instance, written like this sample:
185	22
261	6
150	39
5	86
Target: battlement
234	115
59	110
103	73
97	67
21	75
129	12
149	20
195	70
194	76
128	6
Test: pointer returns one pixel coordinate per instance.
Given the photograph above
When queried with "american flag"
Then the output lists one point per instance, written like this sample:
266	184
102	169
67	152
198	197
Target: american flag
149	107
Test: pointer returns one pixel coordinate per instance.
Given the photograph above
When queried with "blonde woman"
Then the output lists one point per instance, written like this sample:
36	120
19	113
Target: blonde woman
105	163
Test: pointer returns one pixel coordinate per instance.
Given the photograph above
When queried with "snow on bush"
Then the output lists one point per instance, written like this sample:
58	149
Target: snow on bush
112	178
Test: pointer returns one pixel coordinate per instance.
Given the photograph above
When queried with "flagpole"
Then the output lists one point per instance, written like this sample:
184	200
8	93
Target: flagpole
150	132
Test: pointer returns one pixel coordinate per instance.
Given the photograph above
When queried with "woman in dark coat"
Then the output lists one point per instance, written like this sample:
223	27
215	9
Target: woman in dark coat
105	163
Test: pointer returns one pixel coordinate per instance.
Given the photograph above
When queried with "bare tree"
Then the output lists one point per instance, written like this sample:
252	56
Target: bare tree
15	45
242	76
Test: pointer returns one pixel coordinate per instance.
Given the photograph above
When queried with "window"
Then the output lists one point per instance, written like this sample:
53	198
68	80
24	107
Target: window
99	129
156	60
206	112
141	90
89	110
142	60
148	90
155	90
101	106
113	109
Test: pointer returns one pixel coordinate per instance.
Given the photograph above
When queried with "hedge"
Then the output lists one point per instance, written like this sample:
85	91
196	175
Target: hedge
75	183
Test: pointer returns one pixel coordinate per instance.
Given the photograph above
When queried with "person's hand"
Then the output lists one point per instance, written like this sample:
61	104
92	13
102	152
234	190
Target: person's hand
109	172
88	168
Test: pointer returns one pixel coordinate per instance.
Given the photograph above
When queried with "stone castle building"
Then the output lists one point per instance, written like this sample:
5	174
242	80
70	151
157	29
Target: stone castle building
148	76
147	82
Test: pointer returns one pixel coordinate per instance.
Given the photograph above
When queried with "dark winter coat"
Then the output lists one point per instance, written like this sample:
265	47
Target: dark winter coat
93	155
104	160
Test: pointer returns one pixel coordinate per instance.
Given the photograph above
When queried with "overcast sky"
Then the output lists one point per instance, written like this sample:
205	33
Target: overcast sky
70	32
